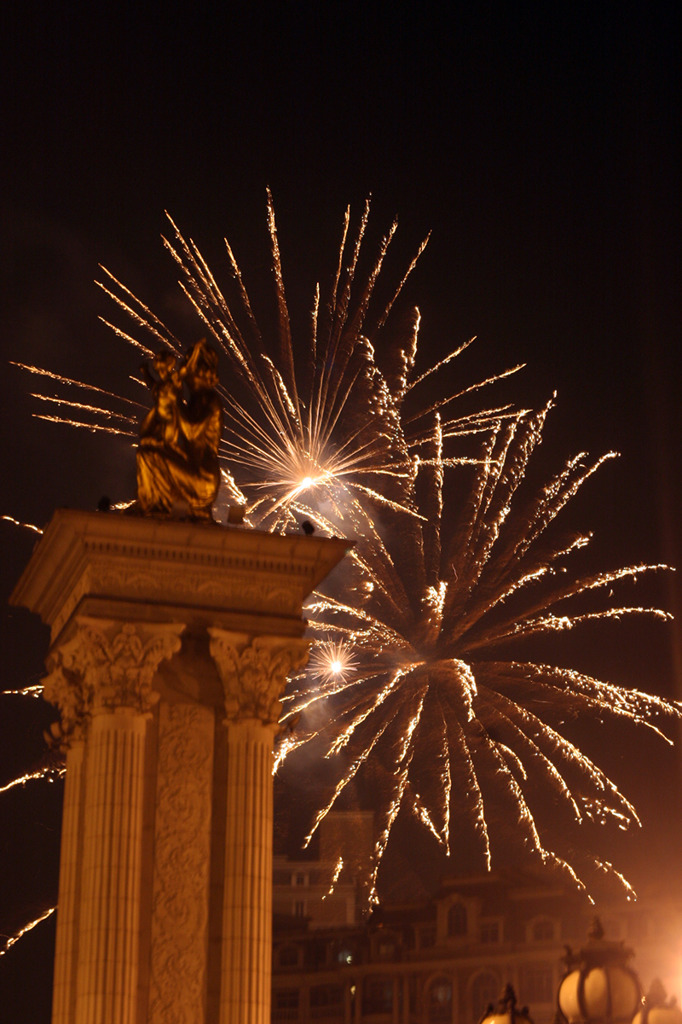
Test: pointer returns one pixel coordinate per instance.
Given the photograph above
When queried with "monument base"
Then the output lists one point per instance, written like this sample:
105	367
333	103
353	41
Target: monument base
171	645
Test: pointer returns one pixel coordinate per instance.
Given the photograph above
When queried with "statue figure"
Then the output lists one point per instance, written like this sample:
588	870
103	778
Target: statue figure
161	425
177	458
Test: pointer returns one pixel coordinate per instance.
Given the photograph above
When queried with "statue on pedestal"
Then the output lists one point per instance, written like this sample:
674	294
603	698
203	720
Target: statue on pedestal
177	458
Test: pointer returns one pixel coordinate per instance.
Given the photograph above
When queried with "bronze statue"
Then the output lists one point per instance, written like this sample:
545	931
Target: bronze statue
177	459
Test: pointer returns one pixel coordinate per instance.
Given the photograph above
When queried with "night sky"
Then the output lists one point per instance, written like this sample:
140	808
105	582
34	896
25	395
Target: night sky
541	147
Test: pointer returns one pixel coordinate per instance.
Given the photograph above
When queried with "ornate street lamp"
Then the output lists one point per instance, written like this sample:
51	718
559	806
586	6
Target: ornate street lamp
599	987
505	1011
656	1009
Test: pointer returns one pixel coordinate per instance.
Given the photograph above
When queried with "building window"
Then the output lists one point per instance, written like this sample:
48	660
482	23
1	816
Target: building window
284	1005
457	919
543	931
315	953
386	947
326	1003
439	1001
299	908
377	995
485	989
490	931
427	938
345	955
538	984
288	956
300	879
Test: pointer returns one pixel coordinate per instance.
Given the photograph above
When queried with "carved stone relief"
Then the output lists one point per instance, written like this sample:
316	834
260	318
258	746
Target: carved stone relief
254	671
181	864
109	664
66	689
175	582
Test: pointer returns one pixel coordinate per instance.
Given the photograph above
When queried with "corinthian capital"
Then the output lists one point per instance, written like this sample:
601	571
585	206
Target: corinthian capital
66	689
118	660
254	671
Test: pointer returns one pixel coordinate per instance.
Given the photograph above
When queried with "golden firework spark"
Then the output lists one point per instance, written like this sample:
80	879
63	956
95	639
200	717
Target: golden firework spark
40	774
26	928
314	429
332	662
34	690
425	613
24	526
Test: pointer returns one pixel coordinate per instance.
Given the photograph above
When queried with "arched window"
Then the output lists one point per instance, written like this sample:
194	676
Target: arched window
345	954
439	1001
457	919
485	989
543	930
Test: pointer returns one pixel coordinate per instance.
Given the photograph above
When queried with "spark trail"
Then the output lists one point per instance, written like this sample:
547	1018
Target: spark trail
314	428
26	928
40	774
433	695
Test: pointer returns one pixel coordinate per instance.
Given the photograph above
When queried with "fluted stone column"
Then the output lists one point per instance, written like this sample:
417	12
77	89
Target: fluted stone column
66	946
66	692
253	672
117	662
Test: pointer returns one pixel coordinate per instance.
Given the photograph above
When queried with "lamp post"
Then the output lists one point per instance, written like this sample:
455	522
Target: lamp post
505	1010
657	1009
598	986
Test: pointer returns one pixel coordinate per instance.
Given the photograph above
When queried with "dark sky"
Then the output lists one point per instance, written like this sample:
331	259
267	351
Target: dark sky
541	145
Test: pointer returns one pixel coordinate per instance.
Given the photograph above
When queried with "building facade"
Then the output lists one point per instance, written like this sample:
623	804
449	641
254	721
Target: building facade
444	961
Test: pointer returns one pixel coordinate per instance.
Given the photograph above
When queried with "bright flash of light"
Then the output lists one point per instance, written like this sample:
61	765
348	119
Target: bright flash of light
332	661
453	724
35	690
27	928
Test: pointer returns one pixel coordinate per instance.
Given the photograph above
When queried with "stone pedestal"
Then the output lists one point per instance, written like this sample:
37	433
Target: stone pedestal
171	645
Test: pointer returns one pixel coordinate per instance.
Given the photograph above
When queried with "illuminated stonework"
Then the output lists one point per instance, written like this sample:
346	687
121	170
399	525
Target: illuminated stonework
171	645
254	670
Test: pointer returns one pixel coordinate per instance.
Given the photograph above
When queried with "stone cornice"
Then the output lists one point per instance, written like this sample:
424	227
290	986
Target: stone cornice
254	671
112	557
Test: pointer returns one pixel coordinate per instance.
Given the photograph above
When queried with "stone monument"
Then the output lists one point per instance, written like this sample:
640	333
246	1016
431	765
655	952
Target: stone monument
171	642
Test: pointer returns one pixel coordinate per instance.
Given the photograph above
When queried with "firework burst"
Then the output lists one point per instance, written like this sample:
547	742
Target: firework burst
314	430
433	693
410	667
332	662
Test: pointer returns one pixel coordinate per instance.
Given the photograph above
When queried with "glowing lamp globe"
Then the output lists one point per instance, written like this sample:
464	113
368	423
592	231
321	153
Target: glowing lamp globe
656	1009
505	1010
599	987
